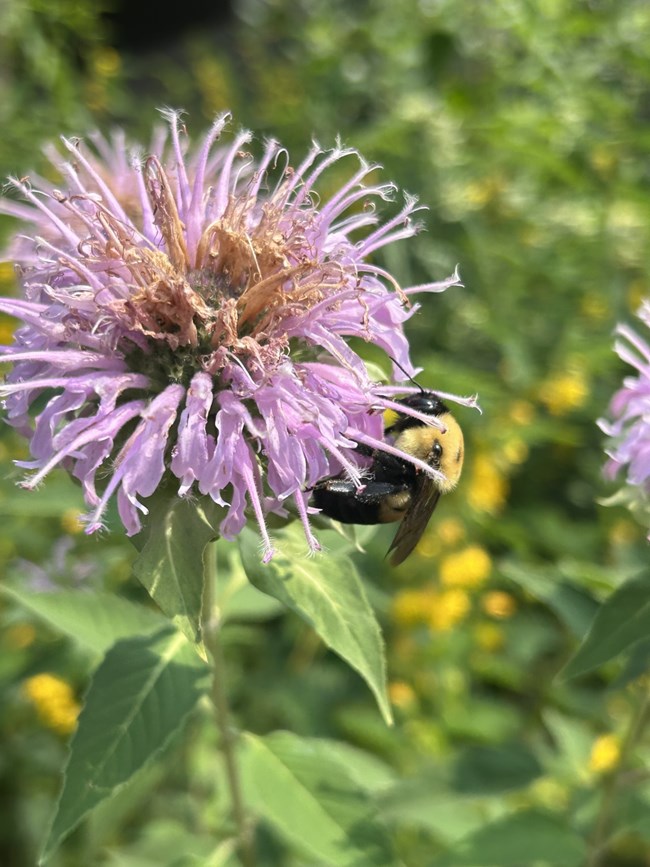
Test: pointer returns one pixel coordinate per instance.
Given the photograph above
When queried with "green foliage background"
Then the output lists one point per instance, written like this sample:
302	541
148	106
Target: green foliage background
525	129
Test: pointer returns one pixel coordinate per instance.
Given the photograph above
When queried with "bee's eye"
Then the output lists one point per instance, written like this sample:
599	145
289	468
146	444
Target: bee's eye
436	451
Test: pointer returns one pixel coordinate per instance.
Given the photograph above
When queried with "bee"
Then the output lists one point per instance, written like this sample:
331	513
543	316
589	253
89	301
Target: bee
393	488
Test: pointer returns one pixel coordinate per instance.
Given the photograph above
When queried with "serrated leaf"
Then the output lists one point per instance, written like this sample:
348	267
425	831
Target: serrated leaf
328	593
138	699
170	563
622	621
94	619
302	788
523	838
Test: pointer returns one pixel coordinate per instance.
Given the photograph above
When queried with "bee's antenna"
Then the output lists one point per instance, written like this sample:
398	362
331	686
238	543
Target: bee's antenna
410	378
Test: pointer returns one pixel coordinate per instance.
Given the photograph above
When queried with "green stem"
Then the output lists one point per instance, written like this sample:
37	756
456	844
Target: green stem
211	627
614	783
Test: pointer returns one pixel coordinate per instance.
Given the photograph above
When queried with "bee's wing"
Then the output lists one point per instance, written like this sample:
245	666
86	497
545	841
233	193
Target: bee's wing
414	522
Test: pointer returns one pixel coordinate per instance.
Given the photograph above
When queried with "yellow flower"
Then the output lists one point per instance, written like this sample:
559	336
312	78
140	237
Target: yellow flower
7	273
499	604
106	61
637	292
54	702
564	392
450	608
623	532
594	307
488	488
7	326
429	545
605	754
467	568
71	521
515	450
401	694
489	636
450	531
411	607
20	636
603	159
521	412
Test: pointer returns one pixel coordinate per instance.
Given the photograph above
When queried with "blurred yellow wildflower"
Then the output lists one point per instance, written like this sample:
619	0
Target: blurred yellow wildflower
411	607
637	292
54	701
515	450
7	274
624	531
594	307
106	61
499	604
521	412
481	191
489	636
401	694
605	754
564	391
7	326
440	609
450	531
429	545
71	521
488	488
603	159
450	608
447	532
467	568
19	636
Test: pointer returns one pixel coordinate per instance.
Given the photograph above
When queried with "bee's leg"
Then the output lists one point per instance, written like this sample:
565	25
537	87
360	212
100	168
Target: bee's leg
363	449
369	492
390	468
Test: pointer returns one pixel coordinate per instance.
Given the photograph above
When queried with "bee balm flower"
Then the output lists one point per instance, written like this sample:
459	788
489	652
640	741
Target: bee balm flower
629	429
187	315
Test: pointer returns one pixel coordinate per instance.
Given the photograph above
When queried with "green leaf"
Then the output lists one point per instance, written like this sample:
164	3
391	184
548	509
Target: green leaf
235	596
138	699
490	769
512	841
304	790
94	619
426	802
637	664
574	606
622	621
327	592
170	563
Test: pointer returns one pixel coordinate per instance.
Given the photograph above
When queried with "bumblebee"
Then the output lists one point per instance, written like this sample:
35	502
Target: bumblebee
393	488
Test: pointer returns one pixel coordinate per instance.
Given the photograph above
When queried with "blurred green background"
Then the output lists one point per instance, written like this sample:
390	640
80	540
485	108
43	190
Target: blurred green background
525	129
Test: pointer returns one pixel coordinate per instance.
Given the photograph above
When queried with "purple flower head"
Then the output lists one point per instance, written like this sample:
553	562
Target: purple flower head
629	429
186	313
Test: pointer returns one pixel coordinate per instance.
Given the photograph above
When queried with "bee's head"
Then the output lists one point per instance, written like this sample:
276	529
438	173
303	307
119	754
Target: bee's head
447	452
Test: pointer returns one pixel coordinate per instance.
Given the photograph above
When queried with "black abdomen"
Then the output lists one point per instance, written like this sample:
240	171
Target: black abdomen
342	506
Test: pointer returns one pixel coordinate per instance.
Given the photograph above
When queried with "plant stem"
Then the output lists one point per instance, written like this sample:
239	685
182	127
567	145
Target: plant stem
615	781
211	627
